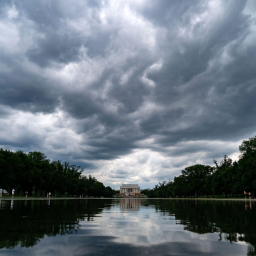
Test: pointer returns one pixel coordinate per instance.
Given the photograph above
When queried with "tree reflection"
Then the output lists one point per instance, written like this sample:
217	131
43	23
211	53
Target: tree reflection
233	220
29	221
25	223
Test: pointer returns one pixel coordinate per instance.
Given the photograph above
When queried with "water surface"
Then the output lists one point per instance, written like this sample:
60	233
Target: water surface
127	227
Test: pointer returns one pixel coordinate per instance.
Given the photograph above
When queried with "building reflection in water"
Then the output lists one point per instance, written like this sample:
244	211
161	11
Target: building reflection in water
129	204
163	225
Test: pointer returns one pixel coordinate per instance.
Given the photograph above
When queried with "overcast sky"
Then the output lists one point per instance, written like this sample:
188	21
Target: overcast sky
133	91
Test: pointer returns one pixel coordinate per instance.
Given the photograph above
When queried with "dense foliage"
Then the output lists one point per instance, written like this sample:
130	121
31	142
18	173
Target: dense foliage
227	178
34	173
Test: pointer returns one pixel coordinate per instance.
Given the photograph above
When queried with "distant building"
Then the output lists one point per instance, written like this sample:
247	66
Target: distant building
130	189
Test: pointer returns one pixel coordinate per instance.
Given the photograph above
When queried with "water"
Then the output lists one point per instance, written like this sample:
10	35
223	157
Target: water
127	227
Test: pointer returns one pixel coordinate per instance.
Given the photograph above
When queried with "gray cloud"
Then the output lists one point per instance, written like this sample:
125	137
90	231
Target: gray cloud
95	83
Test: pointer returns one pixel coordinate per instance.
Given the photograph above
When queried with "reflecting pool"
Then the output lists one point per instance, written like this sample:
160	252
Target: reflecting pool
127	227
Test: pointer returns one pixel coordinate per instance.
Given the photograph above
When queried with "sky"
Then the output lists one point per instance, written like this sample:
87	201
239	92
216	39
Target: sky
133	91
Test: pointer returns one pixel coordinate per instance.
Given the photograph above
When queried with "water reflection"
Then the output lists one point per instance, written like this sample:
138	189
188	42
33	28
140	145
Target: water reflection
129	204
114	227
11	207
248	204
30	221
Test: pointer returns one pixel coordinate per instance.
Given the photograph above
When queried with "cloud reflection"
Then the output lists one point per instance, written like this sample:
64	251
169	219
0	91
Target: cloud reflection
120	227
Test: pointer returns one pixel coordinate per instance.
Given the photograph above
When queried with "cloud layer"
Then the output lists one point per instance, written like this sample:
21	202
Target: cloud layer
133	91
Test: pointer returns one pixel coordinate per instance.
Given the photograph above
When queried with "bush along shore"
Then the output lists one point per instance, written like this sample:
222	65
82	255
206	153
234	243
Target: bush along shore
33	173
226	179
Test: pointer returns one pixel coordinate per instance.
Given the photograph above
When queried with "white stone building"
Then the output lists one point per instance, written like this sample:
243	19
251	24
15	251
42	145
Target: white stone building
130	189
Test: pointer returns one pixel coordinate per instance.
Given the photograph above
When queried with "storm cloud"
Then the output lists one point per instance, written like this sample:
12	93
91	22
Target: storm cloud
133	91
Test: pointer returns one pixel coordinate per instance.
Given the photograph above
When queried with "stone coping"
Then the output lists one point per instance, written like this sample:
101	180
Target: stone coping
85	198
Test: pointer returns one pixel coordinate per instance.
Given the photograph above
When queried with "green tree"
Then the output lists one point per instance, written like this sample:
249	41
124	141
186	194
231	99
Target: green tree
195	176
247	164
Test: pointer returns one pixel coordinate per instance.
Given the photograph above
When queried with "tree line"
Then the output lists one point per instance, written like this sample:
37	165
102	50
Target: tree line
226	178
34	173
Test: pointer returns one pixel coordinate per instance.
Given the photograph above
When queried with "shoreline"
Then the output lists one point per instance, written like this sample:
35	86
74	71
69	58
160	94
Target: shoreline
85	198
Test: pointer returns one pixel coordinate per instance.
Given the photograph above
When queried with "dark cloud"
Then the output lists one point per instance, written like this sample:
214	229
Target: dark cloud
119	174
110	80
24	90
